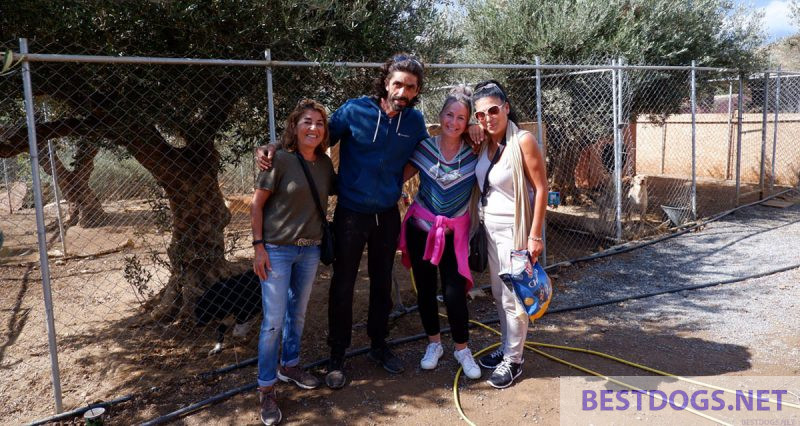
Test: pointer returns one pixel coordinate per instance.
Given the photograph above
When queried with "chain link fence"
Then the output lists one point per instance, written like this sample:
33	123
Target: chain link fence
147	172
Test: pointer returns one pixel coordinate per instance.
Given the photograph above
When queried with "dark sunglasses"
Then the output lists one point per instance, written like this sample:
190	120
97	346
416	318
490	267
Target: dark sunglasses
492	110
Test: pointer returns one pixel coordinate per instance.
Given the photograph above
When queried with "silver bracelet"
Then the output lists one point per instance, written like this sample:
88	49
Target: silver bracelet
535	239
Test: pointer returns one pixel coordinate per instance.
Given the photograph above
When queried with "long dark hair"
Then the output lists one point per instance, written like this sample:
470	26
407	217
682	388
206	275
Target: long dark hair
399	62
493	88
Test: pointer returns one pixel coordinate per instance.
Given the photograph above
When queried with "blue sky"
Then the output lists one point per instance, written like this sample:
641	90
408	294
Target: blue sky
777	21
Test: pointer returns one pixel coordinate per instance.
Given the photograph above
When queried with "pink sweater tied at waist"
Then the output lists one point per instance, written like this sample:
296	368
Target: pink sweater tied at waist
434	246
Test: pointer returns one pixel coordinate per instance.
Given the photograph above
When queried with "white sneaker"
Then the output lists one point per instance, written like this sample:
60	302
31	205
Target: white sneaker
432	355
464	357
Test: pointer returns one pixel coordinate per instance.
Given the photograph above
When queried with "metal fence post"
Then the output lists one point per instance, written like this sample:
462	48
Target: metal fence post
540	139
8	187
762	167
616	101
663	146
730	130
270	98
57	193
40	230
739	111
775	127
242	187
694	143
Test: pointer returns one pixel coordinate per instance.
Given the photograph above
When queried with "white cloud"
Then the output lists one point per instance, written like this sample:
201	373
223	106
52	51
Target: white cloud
777	19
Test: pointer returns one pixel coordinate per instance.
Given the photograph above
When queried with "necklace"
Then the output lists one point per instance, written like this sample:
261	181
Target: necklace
446	177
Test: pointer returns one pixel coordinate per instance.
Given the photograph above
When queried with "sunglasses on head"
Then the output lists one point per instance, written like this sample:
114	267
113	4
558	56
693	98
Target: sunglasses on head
492	110
402	58
487	87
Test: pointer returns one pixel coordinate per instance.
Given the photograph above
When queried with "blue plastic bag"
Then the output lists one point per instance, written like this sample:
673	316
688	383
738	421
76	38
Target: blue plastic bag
530	283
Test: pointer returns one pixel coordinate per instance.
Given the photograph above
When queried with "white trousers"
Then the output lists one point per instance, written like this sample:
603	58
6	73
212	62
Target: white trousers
513	319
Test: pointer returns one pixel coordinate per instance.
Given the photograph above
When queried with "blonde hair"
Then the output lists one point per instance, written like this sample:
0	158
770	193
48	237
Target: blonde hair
461	94
289	136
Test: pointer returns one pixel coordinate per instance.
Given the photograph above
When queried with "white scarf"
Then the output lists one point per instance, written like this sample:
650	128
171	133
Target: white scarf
523	208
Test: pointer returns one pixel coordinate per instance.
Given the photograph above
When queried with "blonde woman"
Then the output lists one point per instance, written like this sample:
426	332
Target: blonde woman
434	237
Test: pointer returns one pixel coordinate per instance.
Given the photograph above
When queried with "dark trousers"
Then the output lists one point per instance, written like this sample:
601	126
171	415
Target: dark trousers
353	231
453	286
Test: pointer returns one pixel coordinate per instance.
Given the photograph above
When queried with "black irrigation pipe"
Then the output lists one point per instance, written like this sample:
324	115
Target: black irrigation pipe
79	411
227	394
252	361
673	290
613	251
624	248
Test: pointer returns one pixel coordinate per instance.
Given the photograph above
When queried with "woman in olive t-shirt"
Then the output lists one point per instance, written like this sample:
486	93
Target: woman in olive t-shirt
287	230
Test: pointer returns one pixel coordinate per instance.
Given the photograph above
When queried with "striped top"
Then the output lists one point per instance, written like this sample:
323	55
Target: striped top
444	187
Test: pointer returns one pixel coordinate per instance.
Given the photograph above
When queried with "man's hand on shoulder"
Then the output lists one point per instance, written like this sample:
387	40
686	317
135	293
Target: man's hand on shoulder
264	155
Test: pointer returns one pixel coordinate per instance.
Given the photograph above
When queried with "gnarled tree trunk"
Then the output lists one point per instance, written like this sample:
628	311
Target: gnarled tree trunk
85	207
73	184
197	248
188	176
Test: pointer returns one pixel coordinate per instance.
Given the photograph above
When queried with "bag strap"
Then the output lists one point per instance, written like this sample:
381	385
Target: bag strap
486	178
313	187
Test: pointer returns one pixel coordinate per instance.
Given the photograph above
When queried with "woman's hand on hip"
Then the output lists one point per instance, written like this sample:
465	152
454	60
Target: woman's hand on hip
261	262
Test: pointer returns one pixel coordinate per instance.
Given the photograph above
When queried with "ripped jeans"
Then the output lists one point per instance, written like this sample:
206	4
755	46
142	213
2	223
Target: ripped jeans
284	296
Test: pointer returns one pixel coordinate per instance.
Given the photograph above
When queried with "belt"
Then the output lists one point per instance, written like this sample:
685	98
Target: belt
306	242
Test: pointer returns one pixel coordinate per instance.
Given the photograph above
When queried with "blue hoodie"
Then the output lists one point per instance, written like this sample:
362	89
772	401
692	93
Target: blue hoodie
374	150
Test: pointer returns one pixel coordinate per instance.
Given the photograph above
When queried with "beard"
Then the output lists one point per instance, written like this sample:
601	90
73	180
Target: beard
398	106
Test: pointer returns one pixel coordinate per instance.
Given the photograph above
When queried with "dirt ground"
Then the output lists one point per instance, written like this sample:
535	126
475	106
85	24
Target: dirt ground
108	349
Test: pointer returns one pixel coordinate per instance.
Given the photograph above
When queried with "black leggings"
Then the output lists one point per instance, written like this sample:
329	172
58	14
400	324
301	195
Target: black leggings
453	286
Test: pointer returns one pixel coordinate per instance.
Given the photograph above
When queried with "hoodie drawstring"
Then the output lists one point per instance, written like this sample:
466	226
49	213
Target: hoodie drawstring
377	126
399	119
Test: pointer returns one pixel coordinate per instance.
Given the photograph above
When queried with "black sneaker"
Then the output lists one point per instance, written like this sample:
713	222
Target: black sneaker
493	359
505	373
386	359
335	379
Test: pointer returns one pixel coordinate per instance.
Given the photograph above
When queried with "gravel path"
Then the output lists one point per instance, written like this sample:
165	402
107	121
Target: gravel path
750	241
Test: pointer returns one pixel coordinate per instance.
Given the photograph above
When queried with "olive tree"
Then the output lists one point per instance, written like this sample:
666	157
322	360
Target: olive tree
174	119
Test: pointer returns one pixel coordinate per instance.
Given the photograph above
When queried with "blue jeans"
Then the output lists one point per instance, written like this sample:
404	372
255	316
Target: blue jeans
284	296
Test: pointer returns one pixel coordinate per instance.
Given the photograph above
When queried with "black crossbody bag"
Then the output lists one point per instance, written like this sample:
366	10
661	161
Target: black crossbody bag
479	244
326	249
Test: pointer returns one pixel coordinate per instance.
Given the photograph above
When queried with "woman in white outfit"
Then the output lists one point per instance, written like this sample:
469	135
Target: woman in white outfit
513	212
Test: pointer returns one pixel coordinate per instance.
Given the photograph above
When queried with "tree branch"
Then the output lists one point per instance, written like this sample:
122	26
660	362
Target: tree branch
200	137
15	141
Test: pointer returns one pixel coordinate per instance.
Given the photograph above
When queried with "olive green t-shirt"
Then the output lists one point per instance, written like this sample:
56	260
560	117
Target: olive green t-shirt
290	212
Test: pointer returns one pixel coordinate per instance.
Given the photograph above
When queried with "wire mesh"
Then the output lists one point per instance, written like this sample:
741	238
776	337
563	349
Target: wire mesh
577	115
785	144
155	170
767	135
155	173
